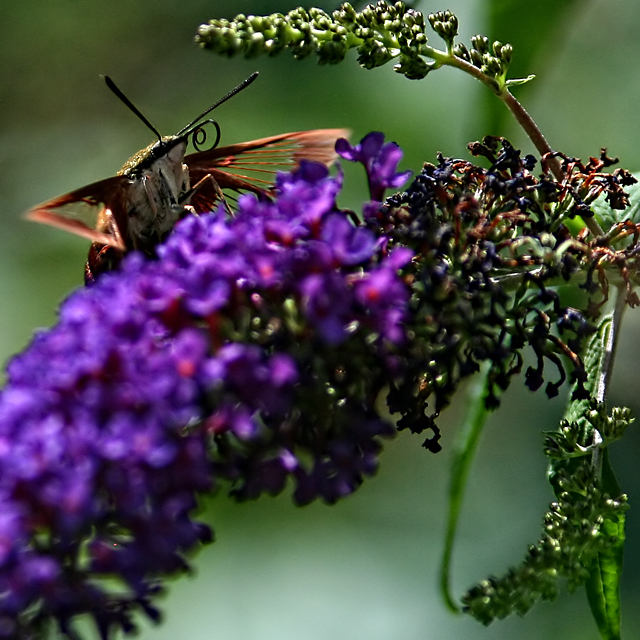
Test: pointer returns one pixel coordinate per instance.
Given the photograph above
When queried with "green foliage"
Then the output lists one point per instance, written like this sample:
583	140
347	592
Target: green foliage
608	217
583	533
573	437
575	535
603	584
463	454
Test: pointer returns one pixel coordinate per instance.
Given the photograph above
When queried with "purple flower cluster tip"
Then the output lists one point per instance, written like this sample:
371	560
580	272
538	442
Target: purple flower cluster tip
380	161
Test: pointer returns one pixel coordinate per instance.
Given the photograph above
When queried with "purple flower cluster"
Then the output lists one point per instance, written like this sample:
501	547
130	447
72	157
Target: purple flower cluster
300	301
97	471
252	350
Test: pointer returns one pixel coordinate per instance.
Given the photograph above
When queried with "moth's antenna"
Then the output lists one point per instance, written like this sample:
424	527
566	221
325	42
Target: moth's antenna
243	85
112	85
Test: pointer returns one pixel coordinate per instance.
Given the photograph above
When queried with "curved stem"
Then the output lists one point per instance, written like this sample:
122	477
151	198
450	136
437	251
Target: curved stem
519	112
532	130
467	67
536	136
522	117
463	455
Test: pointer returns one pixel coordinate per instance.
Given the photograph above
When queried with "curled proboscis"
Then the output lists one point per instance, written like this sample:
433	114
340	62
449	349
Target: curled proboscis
199	136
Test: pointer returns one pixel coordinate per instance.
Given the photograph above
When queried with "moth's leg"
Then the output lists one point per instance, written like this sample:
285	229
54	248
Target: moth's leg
207	181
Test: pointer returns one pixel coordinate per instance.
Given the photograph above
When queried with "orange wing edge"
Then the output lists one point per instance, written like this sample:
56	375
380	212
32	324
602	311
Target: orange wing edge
46	216
106	194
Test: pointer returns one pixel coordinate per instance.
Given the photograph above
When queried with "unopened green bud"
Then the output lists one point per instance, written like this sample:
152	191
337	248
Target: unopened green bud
462	52
366	17
476	58
339	30
409	19
480	43
373	54
298	14
318	14
255	22
304	48
255	46
414	68
273	46
331	52
345	14
506	53
394	26
322	23
420	38
365	33
490	65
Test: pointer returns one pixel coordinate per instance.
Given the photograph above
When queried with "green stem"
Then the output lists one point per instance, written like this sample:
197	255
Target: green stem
463	65
463	454
606	371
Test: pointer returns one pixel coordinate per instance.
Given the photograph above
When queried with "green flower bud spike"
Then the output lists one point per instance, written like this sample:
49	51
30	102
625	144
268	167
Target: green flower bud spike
380	32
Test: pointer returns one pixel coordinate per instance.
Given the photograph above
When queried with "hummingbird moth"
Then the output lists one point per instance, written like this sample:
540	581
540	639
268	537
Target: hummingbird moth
136	209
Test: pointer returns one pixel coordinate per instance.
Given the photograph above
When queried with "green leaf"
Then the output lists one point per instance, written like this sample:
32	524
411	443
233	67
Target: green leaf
596	356
603	584
516	82
463	453
583	532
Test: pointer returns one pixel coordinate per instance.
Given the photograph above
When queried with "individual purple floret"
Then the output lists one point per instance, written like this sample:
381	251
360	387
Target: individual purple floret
252	351
380	161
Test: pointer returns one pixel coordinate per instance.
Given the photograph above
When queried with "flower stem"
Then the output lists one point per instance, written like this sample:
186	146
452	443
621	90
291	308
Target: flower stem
606	370
523	118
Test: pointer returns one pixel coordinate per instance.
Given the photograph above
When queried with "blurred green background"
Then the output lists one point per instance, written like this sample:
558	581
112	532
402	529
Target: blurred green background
364	569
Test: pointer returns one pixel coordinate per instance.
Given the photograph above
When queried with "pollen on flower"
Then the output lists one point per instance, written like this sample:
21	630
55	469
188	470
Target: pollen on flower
372	295
187	368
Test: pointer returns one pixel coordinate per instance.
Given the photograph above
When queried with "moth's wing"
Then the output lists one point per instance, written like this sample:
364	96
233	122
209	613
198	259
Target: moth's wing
97	212
251	166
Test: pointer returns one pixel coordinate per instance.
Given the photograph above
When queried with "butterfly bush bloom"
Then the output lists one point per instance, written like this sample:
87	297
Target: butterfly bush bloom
252	351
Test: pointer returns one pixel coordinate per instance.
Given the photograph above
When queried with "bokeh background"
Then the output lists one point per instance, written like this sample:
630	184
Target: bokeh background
366	568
